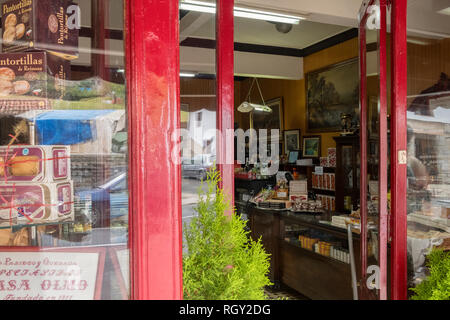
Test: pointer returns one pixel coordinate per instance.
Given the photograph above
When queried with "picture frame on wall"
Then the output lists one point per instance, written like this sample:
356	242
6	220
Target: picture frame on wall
291	140
330	92
270	121
293	156
311	147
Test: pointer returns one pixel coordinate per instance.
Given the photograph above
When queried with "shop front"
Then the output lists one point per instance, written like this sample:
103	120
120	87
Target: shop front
329	128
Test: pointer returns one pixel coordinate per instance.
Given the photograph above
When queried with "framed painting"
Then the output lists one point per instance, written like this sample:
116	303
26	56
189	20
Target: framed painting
270	121
331	92
311	147
291	140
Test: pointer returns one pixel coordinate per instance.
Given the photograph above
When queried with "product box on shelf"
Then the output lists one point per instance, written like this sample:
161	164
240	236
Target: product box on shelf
323	161
51	25
294	198
34	164
332	157
332	153
37	203
326	181
29	79
305	162
298	187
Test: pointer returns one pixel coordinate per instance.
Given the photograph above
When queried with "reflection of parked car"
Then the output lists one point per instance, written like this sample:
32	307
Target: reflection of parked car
104	203
198	166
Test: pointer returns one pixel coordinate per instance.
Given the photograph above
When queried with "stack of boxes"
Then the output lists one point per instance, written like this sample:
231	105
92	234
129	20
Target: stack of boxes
325	181
307	242
40	37
330	160
328	202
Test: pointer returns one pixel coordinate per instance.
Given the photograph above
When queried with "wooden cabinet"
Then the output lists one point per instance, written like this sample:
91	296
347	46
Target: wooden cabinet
311	274
265	224
347	172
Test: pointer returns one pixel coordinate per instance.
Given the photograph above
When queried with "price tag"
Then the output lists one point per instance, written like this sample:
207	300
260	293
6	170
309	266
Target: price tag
319	170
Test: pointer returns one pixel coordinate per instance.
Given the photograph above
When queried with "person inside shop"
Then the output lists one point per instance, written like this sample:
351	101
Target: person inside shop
418	178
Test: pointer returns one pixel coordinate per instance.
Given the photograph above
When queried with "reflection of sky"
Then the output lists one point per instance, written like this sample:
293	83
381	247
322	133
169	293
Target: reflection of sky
441	115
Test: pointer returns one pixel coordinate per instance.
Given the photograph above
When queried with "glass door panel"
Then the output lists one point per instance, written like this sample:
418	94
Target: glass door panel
64	152
373	139
428	136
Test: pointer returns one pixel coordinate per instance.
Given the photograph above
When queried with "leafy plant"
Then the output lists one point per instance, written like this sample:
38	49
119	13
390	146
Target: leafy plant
221	262
437	285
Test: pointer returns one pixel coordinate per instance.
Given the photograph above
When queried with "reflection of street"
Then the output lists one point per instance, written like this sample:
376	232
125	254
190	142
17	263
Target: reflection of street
189	197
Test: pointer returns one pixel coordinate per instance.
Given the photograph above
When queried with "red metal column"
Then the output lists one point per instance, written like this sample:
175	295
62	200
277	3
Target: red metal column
225	94
398	151
152	47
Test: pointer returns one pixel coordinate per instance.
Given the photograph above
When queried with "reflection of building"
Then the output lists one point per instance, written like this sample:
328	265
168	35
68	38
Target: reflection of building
201	125
431	141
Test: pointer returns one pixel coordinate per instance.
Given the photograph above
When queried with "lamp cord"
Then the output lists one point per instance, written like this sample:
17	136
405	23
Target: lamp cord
259	89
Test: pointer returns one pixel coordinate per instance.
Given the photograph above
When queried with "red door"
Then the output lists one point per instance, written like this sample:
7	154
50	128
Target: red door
374	146
383	223
153	66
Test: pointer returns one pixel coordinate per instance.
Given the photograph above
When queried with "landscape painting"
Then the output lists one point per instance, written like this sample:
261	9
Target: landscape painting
330	93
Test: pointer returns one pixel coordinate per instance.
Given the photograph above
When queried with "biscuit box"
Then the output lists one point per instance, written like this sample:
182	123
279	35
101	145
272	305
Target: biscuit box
37	203
35	164
28	80
51	25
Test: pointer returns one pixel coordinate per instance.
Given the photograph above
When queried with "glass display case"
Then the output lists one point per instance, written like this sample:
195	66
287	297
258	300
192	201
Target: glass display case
347	173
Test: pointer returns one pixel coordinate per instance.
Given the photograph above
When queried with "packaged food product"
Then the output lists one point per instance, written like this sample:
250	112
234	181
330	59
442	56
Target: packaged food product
35	163
331	152
323	161
51	25
37	202
29	79
2	167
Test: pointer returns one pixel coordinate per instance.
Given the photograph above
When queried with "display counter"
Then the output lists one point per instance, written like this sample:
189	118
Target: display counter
290	238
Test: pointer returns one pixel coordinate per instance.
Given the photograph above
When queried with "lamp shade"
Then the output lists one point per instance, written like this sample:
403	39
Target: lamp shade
247	107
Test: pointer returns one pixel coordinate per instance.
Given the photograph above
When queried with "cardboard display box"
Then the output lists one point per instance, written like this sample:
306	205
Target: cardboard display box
50	25
34	164
37	203
29	79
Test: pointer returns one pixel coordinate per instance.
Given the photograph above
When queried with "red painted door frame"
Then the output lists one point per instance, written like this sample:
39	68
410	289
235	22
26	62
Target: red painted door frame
363	148
152	56
152	65
398	151
225	94
383	146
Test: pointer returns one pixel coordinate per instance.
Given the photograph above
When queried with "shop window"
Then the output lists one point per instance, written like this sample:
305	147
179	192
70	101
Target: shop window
63	149
428	118
198	101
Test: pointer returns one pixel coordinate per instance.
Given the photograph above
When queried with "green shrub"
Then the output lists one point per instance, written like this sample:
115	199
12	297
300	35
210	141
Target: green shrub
221	262
437	285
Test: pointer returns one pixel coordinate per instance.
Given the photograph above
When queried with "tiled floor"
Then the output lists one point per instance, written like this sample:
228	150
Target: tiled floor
284	293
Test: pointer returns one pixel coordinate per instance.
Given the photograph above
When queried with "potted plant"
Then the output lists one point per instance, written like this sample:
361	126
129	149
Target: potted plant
437	285
221	262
